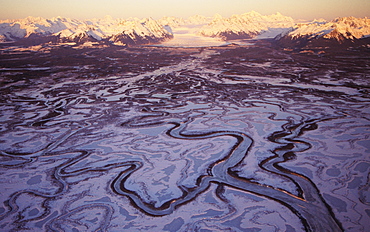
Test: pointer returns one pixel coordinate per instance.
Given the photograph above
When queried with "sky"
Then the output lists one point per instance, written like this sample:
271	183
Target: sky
85	9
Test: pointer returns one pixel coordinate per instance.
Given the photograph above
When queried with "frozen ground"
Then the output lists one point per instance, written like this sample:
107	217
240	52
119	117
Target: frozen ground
233	138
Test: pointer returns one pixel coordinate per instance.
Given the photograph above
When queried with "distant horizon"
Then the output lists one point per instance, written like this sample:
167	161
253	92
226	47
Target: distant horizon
82	19
156	9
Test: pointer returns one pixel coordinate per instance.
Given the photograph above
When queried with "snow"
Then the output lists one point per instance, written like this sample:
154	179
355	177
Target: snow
251	23
202	31
346	27
171	21
186	36
196	31
272	33
97	29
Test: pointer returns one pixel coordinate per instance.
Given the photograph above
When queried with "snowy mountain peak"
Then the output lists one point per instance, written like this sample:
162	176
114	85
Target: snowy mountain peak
72	30
344	30
247	25
108	18
251	14
250	25
346	27
217	17
199	19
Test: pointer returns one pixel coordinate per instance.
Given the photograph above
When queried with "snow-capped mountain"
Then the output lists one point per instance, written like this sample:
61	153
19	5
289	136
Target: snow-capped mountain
172	21
251	25
146	31
195	20
345	30
199	20
246	26
131	31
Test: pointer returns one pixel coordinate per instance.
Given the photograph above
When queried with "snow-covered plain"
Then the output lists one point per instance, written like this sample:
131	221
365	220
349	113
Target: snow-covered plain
233	138
186	134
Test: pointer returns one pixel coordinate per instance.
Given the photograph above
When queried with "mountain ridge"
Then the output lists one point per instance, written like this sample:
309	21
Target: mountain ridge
133	31
342	31
245	26
58	29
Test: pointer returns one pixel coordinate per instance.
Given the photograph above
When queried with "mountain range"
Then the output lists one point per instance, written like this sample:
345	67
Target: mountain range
246	26
36	30
133	31
344	31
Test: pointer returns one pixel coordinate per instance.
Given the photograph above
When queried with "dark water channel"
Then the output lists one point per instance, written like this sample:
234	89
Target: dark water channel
206	139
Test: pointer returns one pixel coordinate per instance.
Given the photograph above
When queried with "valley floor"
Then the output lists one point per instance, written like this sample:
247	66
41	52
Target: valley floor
228	138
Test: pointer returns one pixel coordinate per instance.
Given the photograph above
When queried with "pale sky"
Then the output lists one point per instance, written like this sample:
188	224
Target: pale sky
84	9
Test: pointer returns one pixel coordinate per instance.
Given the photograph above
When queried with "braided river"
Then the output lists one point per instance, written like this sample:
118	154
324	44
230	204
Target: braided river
233	138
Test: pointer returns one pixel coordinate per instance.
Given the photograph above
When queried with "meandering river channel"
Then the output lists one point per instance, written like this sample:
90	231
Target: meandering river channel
194	139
